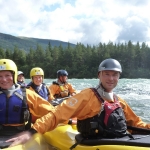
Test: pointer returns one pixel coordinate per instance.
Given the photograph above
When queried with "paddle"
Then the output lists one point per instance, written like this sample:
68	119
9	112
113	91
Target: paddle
138	129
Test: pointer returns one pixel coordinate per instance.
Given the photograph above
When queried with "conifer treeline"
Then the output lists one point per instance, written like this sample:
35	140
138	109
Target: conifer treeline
82	61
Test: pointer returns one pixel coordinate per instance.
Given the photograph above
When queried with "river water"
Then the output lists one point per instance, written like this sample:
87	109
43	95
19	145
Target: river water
135	91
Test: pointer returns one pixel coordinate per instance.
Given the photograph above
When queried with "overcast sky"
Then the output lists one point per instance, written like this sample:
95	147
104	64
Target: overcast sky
85	21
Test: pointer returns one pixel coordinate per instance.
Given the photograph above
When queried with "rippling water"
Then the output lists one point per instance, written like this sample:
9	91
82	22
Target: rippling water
135	91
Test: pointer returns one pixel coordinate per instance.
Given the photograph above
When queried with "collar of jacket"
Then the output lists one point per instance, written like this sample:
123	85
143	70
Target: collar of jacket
11	90
105	95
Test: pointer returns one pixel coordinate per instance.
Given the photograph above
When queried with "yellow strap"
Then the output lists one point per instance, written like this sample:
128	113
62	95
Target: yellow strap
62	88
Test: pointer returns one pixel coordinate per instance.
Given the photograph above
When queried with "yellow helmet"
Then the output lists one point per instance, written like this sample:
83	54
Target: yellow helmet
36	71
7	64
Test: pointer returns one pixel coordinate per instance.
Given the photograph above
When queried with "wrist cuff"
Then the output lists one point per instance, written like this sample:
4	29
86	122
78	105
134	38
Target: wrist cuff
32	131
70	121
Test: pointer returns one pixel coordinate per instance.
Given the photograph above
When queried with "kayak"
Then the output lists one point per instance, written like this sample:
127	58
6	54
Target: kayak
63	137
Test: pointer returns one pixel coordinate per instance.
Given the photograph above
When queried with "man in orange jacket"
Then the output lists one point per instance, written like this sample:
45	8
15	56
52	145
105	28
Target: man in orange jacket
61	88
88	104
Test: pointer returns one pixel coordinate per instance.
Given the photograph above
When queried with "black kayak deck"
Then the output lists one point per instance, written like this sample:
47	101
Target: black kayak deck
139	140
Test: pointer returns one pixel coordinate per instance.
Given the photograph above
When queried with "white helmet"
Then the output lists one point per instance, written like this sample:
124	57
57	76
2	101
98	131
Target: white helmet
20	72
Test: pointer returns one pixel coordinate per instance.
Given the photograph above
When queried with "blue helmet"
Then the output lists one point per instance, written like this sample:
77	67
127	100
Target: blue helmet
62	73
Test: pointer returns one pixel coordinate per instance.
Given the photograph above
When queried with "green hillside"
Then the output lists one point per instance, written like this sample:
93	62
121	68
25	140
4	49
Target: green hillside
8	42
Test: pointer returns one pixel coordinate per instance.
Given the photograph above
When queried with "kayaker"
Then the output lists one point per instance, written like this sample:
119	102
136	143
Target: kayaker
61	88
21	79
87	106
37	85
17	105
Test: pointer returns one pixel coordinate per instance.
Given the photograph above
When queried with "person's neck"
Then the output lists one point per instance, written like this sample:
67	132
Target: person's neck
105	95
37	85
11	90
60	82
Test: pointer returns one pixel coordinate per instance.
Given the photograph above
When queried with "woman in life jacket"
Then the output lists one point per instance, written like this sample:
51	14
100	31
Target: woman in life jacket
21	79
61	88
37	85
17	104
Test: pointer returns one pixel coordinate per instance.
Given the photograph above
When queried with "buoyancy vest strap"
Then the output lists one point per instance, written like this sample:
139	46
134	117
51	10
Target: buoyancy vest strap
19	95
77	143
24	104
48	93
27	115
60	86
97	95
54	82
24	97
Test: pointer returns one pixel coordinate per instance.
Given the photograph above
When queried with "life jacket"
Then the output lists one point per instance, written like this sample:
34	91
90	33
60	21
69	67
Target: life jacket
63	93
14	109
110	122
43	91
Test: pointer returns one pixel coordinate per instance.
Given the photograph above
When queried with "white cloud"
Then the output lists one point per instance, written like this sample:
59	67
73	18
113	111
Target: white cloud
88	22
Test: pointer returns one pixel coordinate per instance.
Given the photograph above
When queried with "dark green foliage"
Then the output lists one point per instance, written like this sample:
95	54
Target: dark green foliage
2	53
8	42
81	61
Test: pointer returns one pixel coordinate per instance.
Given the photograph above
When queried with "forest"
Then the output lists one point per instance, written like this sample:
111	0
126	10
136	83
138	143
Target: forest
82	61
